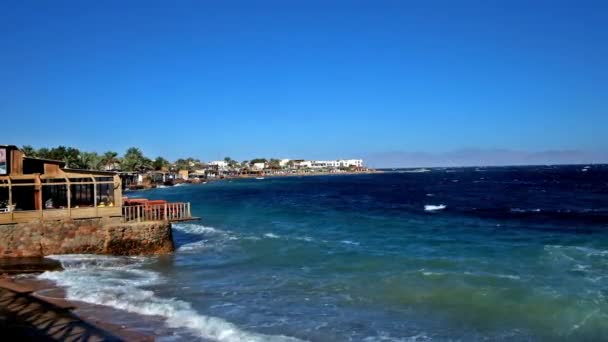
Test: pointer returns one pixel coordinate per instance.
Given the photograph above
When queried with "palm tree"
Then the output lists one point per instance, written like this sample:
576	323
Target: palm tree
110	159
29	151
87	160
160	163
134	160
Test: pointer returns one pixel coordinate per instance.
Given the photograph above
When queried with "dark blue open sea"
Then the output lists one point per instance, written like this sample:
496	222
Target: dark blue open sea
469	254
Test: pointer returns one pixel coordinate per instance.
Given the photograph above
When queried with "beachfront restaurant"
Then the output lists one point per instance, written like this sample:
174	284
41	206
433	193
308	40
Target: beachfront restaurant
40	189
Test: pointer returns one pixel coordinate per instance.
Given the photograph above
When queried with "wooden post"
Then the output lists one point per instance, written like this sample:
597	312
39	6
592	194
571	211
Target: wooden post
95	196
166	211
10	192
69	194
38	194
117	191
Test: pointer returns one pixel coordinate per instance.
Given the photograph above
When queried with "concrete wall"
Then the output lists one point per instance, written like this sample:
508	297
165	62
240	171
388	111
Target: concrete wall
88	236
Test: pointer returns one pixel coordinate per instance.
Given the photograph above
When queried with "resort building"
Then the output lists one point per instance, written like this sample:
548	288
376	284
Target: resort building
221	164
328	164
350	162
258	166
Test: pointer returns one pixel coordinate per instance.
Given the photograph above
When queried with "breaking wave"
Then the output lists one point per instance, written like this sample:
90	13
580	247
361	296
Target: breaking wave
271	236
416	171
190	228
430	207
117	282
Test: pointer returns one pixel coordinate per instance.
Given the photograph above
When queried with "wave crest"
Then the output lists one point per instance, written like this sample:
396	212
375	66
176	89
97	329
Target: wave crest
116	282
431	207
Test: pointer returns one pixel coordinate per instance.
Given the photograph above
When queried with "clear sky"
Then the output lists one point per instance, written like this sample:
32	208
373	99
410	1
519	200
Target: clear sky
309	79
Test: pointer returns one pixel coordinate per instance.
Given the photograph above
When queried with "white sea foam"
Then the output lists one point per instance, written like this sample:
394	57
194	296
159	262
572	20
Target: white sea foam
431	207
117	282
271	236
508	276
211	237
304	238
193	228
416	171
518	210
194	246
349	242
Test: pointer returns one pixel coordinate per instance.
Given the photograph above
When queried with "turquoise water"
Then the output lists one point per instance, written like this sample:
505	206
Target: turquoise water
507	254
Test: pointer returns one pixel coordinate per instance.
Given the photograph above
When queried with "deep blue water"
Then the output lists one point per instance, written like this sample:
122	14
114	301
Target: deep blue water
516	253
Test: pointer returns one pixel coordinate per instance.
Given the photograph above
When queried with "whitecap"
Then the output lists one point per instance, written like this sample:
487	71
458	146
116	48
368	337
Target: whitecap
416	171
99	284
431	207
304	238
271	236
507	276
518	210
193	228
349	242
194	246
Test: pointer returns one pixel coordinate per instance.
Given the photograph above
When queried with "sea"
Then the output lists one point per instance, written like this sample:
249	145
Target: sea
439	254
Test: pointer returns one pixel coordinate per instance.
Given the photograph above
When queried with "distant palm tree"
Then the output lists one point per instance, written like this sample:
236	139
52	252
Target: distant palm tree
134	160
29	151
86	160
110	159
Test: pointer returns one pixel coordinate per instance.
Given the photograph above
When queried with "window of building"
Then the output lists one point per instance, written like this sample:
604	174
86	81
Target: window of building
105	194
54	196
3	196
82	194
3	162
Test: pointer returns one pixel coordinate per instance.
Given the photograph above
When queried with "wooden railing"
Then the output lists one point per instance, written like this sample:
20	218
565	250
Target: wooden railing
157	212
19	216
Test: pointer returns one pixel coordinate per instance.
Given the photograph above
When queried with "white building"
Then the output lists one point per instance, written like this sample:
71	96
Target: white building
350	162
221	164
340	163
317	164
259	166
284	162
304	164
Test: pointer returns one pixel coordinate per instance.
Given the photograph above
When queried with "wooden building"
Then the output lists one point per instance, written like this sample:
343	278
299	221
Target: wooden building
40	189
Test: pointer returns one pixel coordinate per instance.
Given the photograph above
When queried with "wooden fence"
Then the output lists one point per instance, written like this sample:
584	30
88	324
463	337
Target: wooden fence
157	212
20	216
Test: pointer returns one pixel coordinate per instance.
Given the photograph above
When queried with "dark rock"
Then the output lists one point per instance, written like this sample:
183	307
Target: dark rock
22	265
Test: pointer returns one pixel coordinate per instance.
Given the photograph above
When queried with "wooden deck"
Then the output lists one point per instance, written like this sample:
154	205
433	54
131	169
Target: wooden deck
22	216
171	212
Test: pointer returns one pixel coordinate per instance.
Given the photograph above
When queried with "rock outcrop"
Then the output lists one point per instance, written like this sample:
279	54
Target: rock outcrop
86	236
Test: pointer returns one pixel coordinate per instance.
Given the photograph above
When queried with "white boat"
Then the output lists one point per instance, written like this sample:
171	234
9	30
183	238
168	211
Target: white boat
259	177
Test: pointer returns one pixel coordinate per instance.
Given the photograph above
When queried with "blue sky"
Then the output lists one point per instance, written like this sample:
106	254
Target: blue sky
309	79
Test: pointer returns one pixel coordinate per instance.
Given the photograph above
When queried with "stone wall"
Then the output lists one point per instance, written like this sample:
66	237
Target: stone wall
88	236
